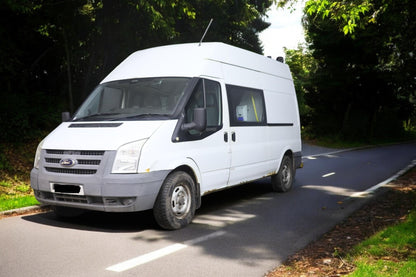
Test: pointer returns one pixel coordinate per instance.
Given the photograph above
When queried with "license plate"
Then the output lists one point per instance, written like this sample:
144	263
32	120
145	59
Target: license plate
67	189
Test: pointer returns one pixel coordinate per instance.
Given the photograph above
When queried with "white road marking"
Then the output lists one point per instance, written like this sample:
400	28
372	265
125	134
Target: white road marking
329	174
143	259
384	183
221	221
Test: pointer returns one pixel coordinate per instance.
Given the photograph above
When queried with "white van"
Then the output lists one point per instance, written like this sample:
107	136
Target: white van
169	125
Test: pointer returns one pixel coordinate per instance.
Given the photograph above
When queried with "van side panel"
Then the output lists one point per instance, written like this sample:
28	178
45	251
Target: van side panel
258	150
209	158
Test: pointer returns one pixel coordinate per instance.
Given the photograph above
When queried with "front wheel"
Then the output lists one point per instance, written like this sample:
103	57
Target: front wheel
283	180
175	205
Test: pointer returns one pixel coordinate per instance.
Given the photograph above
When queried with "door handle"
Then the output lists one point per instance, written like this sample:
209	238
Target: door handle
225	136
233	136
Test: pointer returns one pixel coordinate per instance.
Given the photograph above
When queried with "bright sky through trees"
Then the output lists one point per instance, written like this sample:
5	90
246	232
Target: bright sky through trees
286	30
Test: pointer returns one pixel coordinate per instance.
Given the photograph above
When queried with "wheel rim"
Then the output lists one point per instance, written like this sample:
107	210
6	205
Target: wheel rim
286	175
181	201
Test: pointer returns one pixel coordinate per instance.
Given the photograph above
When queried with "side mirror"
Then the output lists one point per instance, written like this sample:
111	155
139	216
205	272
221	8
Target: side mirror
200	121
66	116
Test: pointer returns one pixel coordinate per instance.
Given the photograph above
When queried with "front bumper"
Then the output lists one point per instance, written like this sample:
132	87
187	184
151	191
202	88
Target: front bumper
109	193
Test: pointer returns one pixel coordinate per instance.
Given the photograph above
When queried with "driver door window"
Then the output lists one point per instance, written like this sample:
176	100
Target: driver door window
211	100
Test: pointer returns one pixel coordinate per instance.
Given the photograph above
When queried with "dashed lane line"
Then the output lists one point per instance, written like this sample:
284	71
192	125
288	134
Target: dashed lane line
157	254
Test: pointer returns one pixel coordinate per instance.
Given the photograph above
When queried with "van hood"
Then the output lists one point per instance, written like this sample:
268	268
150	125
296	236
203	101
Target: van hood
98	135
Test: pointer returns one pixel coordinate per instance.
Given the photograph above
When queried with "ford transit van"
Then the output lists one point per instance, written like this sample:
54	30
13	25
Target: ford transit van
169	125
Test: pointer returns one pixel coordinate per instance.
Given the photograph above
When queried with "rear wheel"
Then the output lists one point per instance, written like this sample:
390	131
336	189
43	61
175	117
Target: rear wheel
175	205
283	180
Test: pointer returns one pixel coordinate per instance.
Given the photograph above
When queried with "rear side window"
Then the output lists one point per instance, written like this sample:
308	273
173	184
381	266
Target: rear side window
246	106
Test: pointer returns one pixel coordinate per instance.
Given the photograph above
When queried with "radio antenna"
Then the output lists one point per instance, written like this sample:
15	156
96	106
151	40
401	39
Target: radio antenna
206	30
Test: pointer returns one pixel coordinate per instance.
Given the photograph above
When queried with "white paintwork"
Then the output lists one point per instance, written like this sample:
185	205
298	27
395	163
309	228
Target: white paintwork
193	60
257	151
94	138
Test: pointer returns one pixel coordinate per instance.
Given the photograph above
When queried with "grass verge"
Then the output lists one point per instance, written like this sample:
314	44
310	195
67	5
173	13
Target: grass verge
391	252
16	162
379	239
17	201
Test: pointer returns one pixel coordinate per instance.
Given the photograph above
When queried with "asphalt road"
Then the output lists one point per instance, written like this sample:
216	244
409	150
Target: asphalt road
244	231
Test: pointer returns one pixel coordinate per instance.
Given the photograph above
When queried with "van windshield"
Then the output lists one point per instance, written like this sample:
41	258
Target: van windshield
134	99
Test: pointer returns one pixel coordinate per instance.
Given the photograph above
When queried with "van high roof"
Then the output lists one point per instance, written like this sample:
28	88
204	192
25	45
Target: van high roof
192	60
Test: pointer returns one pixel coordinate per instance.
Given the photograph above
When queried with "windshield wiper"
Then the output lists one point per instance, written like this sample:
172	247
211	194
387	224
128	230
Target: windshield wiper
145	116
95	116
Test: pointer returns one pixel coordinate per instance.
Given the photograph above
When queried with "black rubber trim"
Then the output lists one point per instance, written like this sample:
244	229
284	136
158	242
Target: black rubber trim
279	124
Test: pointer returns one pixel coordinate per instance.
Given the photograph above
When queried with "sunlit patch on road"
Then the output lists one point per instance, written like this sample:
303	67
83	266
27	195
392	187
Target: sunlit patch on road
221	220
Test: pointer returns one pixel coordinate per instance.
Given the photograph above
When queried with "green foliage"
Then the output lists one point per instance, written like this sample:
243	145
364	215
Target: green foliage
5	184
384	268
23	188
357	90
14	202
63	49
301	64
397	242
348	15
398	239
15	190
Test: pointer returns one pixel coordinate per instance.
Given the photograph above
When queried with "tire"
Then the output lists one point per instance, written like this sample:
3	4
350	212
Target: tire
283	180
66	212
175	204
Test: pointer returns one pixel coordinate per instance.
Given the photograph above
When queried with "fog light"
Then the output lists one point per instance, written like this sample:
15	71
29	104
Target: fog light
110	201
127	201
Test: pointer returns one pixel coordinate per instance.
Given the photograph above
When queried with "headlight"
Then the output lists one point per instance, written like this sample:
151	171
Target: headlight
127	158
37	155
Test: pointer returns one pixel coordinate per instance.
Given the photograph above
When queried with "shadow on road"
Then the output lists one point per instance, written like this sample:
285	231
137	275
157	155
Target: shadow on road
98	221
139	221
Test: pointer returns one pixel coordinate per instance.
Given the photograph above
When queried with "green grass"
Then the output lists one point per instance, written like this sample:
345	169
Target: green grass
16	161
385	268
5	184
391	252
8	202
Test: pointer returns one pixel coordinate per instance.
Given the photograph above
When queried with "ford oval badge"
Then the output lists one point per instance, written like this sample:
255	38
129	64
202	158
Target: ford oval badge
67	162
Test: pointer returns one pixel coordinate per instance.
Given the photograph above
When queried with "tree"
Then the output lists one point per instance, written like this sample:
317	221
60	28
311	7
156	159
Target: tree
302	65
346	15
364	84
62	49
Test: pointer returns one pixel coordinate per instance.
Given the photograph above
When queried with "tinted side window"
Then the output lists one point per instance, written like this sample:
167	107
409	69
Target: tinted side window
196	101
246	106
206	94
211	100
213	103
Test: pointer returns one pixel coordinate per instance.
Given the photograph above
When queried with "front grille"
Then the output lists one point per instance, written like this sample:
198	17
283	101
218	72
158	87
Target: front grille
70	198
90	162
81	162
56	161
75	152
71	171
52	161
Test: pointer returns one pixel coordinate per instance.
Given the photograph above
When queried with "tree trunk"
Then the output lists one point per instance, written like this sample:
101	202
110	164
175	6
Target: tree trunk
68	72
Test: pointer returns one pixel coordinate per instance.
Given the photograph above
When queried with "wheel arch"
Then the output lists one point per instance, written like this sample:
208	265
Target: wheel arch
288	152
195	175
